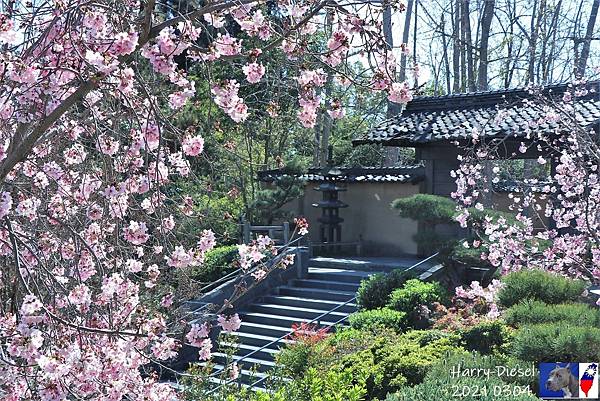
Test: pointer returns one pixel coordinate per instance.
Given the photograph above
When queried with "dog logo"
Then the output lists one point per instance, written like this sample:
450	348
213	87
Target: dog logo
569	380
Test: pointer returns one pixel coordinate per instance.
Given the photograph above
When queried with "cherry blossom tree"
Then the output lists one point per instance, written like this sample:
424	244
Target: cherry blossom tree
88	229
565	202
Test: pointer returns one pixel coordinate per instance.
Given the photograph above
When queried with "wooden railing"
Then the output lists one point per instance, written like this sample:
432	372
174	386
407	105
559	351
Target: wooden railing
249	231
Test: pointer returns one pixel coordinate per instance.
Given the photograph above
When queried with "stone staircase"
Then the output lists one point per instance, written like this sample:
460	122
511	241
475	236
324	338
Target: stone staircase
331	284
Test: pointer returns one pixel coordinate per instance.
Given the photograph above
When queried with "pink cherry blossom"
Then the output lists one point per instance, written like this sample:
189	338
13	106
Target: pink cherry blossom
400	93
5	203
205	349
197	334
229	324
193	145
226	45
125	43
136	233
254	72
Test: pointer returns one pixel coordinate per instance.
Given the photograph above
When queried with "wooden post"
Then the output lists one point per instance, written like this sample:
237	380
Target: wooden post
246	232
286	232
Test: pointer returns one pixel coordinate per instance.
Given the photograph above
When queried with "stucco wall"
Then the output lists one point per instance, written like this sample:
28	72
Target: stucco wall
368	216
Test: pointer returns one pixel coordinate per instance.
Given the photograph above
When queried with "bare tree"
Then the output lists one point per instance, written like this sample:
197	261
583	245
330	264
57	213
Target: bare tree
585	51
455	13
486	23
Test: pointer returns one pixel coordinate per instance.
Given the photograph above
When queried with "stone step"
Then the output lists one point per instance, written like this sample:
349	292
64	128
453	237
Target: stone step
253	325
281	322
372	265
320	304
260	340
326	285
316	293
295	311
251	363
339	275
241	349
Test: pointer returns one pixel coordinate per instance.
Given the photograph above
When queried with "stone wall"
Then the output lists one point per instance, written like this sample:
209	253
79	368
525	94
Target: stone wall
368	218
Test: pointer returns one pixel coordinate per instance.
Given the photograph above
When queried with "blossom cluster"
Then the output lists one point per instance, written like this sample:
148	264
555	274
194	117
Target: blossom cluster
556	218
90	226
477	294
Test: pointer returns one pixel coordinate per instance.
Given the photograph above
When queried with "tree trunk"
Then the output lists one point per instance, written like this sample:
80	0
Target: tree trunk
445	54
536	17
466	23
585	50
405	35
546	73
456	46
392	108
486	22
415	42
463	48
391	153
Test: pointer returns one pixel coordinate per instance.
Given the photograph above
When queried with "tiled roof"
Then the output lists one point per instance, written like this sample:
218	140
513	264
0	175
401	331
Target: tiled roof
410	174
494	114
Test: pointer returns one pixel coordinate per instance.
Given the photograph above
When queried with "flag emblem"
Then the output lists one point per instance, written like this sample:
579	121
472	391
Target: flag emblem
588	382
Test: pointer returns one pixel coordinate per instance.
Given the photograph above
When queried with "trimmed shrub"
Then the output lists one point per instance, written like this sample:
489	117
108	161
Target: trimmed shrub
293	359
538	285
469	256
374	292
486	337
384	317
217	263
433	209
557	342
386	360
416	292
537	312
441	384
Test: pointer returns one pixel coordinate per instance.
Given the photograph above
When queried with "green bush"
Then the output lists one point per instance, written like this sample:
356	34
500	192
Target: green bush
293	359
384	317
557	342
217	263
538	285
387	361
374	292
432	209
312	386
441	384
537	312
486	337
321	386
469	256
416	292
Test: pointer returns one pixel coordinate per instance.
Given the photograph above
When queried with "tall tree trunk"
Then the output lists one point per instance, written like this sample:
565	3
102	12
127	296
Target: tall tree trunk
463	48
445	54
392	108
486	23
548	64
455	12
405	35
466	23
415	42
536	18
391	153
585	50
